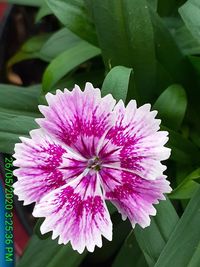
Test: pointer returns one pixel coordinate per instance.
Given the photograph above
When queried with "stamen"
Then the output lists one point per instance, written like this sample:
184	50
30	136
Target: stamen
94	164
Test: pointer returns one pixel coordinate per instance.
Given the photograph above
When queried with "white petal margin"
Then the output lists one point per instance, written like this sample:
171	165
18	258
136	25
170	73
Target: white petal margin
76	114
40	159
136	132
77	213
133	196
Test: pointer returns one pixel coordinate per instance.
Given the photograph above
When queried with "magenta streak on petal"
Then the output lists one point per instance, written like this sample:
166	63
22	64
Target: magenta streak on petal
85	120
133	196
76	196
139	156
134	133
116	134
107	151
87	144
72	167
89	134
129	159
74	201
33	184
55	153
76	212
41	167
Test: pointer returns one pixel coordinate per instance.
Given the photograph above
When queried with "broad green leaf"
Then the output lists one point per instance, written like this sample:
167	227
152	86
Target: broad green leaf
187	43
48	253
187	187
66	62
26	2
18	109
182	247
93	76
153	3
66	255
11	128
29	50
167	8
18	100
190	13
164	78
183	37
172	62
117	82
126	37
130	254
109	249
59	42
194	262
171	106
35	43
195	61
43	11
75	17
46	47
153	239
195	136
183	150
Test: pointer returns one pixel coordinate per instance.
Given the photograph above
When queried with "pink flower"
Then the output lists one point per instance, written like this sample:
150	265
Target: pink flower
89	149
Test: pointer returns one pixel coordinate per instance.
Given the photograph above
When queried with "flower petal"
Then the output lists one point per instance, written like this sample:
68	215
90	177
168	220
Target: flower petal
41	166
132	195
76	212
79	119
137	145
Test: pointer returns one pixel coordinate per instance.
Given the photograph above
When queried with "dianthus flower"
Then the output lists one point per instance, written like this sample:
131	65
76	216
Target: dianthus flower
90	149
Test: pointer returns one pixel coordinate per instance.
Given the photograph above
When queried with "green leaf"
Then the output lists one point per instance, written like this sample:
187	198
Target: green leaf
190	13
173	62
74	16
29	50
184	39
18	109
194	262
117	82
11	128
187	43
153	239
133	36
195	61
43	11
153	3
195	136
26	2
120	231
46	47
18	100
183	150
59	42
171	106
93	76
183	246
66	62
187	187
130	254
48	253
167	8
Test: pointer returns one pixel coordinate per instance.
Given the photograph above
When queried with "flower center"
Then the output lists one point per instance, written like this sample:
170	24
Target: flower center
94	164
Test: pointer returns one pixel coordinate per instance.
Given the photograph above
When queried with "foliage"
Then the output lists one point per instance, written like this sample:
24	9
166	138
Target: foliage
148	50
